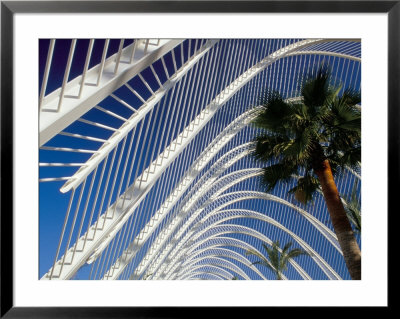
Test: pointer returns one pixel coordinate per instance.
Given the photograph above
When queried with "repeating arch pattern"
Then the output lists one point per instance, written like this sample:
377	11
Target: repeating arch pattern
153	154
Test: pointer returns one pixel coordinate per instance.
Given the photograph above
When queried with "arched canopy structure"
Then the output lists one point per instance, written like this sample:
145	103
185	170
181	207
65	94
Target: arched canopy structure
145	170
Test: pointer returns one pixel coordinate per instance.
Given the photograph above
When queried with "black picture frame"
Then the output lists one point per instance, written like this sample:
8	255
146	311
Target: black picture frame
9	8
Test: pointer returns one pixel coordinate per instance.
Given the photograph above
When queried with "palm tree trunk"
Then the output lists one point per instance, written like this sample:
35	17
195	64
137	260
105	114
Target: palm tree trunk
340	221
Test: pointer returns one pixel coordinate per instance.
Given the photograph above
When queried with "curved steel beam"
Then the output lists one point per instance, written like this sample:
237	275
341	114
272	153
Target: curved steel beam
219	252
231	229
222	216
325	231
214	241
74	106
130	123
138	192
219	262
212	269
210	275
187	211
338	55
221	164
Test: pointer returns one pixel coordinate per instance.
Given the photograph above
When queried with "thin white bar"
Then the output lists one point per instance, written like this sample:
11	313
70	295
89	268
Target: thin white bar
124	103
134	45
146	84
156	75
115	176
103	60
99	183
66	73
173	60
97	107
146	45
97	124
53	179
136	93
60	164
66	149
62	233
90	138
88	56
84	214
46	72
118	58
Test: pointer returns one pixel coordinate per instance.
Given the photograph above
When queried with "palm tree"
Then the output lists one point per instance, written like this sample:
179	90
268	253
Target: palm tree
315	135
276	261
353	209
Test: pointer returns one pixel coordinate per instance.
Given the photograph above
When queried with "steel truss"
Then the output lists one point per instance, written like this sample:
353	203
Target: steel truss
189	235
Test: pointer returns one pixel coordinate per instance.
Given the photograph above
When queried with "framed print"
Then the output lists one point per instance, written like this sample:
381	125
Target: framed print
180	145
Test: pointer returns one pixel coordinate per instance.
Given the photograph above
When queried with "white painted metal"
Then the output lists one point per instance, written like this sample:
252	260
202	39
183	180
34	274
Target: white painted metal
139	189
227	229
206	115
221	216
220	141
129	124
136	193
218	252
54	116
339	55
211	242
220	187
214	261
164	237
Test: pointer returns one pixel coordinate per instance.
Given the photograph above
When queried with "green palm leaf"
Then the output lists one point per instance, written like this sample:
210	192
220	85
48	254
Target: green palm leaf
276	173
277	259
323	125
317	134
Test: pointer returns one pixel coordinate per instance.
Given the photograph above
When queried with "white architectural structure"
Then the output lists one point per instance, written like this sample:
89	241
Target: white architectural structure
148	147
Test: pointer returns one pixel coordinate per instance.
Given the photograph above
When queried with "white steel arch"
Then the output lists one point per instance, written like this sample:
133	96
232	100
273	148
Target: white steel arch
221	252
214	269
119	213
168	269
215	261
213	241
228	159
231	198
226	215
66	104
203	275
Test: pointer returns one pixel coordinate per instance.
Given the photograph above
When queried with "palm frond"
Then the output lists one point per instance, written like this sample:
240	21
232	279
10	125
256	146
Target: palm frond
286	248
351	157
345	116
277	260
296	252
264	146
305	188
276	173
315	89
351	97
254	253
273	111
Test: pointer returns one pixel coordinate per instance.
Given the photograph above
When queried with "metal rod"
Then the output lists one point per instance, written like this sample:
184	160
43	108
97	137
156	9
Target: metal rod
46	72
66	73
88	56
103	60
